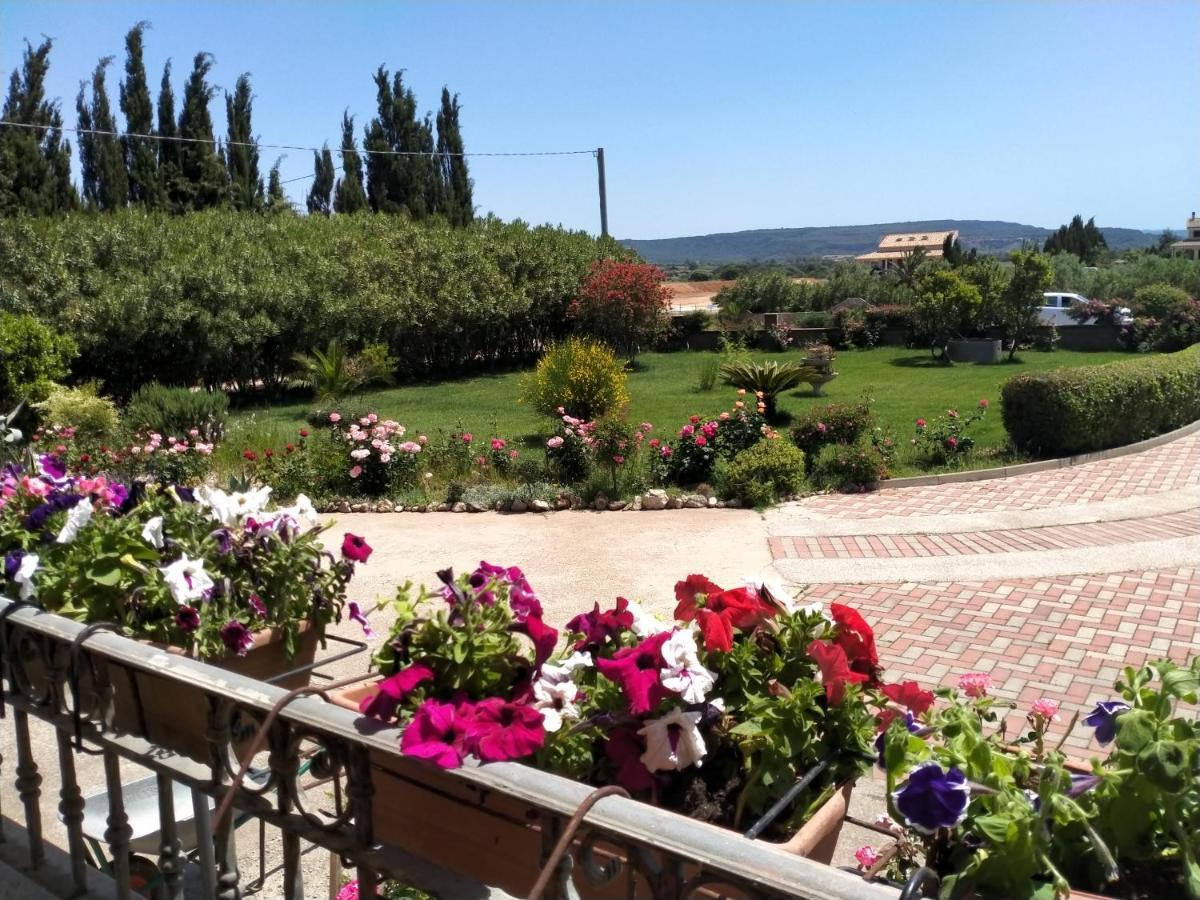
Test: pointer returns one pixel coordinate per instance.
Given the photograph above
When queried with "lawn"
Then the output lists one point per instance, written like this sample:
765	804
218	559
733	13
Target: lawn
903	385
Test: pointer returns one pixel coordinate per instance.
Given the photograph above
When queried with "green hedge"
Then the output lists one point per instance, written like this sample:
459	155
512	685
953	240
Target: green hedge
1069	411
222	298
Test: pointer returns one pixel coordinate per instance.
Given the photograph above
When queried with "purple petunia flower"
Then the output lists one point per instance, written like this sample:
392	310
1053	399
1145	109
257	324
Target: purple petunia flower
51	468
909	722
237	637
12	563
256	604
933	798
1104	719
188	619
224	540
356	615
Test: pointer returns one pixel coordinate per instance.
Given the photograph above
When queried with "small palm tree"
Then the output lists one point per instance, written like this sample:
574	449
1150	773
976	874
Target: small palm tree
330	373
769	378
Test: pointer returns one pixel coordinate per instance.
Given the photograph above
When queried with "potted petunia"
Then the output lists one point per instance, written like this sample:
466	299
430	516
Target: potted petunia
988	816
717	715
226	577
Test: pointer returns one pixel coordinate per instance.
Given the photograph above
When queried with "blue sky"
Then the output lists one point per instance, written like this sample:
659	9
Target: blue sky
718	116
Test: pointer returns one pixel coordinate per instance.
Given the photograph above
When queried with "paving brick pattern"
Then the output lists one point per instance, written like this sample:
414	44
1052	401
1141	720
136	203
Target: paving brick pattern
901	546
1067	637
1167	468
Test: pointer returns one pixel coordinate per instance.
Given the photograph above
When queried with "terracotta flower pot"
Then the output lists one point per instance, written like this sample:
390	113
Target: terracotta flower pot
175	714
433	814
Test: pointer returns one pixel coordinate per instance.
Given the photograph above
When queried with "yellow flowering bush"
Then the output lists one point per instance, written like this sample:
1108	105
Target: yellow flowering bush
577	376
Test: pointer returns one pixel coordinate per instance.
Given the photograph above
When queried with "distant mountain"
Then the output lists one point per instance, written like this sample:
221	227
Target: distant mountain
785	244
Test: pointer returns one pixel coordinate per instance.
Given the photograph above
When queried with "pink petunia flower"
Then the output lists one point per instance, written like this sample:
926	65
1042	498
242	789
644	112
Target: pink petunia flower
393	690
437	733
636	669
356	548
499	730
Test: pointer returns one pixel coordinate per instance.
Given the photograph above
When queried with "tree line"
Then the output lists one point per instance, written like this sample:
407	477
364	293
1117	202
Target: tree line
174	162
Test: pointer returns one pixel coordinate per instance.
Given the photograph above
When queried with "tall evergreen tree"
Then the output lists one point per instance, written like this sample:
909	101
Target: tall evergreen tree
241	152
349	196
35	163
396	180
204	179
1085	241
322	187
277	201
170	172
457	190
105	181
141	161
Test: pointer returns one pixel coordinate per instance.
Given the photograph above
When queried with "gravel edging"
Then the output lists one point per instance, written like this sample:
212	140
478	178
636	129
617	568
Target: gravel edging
1043	465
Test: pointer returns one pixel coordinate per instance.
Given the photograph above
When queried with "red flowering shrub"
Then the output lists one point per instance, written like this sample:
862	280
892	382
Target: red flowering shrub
623	304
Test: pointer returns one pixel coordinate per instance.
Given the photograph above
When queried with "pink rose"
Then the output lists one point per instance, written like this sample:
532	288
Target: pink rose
866	857
975	684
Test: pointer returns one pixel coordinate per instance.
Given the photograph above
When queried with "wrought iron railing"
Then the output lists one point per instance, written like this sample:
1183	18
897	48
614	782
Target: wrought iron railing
317	780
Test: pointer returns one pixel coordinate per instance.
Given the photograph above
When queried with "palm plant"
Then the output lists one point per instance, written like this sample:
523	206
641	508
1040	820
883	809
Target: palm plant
334	373
768	378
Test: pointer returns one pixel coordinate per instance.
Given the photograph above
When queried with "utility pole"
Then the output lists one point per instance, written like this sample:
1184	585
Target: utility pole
603	192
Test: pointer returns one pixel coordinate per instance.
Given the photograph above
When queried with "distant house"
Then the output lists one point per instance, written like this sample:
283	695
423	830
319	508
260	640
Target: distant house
894	247
1190	245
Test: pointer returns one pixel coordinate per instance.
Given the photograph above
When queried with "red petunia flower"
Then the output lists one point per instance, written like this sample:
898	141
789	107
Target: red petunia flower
636	670
909	695
857	639
835	670
625	748
718	612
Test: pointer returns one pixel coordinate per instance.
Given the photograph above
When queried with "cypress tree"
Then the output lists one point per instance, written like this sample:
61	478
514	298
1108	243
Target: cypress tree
277	201
459	205
349	196
245	184
322	187
105	181
1085	241
35	163
205	182
170	172
398	182
141	161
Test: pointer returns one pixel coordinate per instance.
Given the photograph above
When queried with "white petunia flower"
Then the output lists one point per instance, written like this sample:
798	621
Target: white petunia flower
644	624
663	754
152	532
577	660
684	674
80	515
230	509
187	579
302	511
24	576
555	700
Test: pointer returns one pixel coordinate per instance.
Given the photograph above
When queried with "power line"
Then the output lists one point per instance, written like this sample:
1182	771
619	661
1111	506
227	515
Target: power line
218	142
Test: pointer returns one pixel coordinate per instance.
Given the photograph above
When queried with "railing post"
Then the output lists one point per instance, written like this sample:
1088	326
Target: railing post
70	806
225	838
118	833
170	856
29	789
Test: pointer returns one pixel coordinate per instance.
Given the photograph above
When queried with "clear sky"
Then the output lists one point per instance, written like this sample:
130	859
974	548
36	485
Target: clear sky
718	116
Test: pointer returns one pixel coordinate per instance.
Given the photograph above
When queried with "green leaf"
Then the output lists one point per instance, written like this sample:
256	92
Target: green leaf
747	729
1135	729
1181	683
1164	763
997	828
108	578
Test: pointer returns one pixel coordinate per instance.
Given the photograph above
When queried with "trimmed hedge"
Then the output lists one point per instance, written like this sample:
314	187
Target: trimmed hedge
1070	411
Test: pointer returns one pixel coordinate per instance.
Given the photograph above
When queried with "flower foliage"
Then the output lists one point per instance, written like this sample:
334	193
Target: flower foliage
623	304
946	437
200	569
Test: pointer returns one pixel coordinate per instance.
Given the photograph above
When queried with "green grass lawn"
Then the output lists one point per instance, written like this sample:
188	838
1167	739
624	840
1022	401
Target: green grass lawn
903	384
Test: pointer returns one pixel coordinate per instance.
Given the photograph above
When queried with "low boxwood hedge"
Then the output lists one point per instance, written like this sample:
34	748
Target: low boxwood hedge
1069	411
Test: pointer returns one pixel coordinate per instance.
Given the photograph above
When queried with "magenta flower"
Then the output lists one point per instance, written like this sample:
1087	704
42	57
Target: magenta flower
499	730
637	670
394	690
356	548
356	615
625	748
187	619
599	628
544	637
437	733
257	605
236	637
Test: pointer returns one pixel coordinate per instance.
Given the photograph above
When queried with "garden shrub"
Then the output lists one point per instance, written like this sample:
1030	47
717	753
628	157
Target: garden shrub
623	304
835	423
579	376
946	438
1158	300
94	419
857	467
766	472
177	411
1178	328
32	357
1069	411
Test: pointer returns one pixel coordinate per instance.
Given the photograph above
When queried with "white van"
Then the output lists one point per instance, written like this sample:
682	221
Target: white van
1056	303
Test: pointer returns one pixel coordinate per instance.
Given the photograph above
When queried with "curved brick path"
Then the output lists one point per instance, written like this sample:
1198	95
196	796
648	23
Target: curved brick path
1094	606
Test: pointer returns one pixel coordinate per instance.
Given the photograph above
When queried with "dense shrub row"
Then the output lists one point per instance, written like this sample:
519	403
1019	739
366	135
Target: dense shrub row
219	298
1069	411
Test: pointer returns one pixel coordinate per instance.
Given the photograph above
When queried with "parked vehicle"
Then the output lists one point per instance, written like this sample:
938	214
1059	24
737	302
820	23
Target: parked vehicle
1057	303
